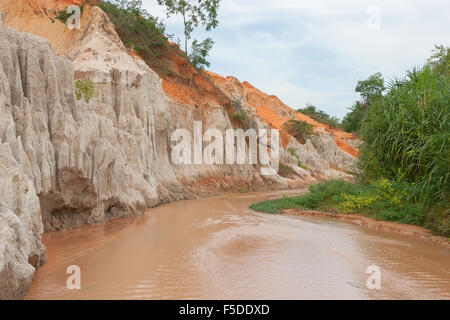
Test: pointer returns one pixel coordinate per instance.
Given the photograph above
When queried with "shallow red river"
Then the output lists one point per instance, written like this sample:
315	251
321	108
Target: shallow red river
217	248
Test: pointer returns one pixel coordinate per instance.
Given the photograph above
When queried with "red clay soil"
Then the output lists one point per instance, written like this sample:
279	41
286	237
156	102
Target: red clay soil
273	111
44	6
184	84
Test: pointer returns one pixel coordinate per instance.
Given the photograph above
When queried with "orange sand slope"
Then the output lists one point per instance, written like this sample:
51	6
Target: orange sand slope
273	111
32	16
46	5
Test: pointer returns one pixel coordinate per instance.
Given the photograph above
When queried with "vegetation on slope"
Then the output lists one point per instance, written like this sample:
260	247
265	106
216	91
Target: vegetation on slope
145	34
370	91
195	13
85	88
320	116
139	31
63	15
301	130
183	79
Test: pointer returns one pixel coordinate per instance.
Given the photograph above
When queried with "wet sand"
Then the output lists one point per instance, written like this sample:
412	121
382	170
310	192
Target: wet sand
217	248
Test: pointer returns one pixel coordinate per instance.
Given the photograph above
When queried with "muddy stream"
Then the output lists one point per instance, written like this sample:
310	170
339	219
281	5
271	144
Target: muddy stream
217	248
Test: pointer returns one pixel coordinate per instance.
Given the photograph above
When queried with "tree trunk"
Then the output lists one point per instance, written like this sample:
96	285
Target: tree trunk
185	35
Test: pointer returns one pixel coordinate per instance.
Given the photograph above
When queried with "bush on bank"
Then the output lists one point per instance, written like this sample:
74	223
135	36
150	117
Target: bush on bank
381	200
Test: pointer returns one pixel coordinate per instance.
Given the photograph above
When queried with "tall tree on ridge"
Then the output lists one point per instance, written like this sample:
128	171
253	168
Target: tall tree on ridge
194	13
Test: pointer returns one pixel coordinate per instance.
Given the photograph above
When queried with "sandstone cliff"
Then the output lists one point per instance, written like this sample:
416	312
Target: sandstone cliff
66	163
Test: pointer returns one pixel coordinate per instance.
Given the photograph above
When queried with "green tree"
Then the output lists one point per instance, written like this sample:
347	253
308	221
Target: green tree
440	60
199	53
194	14
371	88
352	120
300	130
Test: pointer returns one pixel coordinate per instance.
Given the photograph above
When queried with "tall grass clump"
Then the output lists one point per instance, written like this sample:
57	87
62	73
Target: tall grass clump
406	135
301	130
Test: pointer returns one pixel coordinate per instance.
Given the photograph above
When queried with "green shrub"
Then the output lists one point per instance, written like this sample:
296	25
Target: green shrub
240	116
243	118
85	87
320	116
317	195
352	120
274	206
63	16
138	30
301	130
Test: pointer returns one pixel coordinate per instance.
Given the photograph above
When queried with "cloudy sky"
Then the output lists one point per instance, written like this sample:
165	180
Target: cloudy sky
314	51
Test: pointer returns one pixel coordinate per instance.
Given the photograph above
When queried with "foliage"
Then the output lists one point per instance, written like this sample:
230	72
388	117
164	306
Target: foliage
243	118
138	30
440	60
85	87
320	116
275	206
371	88
301	130
293	153
240	116
63	16
194	14
317	195
352	121
406	134
199	53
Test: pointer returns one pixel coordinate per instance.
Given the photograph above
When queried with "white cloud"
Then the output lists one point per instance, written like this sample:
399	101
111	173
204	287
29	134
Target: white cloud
315	50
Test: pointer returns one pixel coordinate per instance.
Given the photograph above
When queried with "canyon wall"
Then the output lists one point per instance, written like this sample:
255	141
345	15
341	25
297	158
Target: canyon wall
66	163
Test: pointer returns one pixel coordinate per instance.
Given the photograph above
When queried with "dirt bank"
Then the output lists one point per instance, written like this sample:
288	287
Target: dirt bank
363	221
